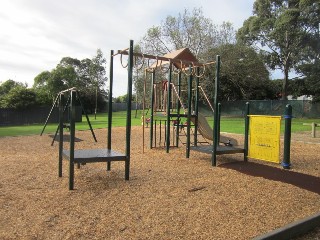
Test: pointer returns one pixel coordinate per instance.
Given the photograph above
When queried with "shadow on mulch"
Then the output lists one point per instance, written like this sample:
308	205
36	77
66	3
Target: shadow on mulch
301	180
66	138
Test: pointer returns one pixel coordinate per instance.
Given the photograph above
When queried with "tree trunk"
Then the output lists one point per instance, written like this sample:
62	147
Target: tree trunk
285	83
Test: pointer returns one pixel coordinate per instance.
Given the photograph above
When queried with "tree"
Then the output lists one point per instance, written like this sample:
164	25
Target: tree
98	75
60	78
188	29
283	31
5	88
87	75
91	80
19	97
310	84
243	74
44	97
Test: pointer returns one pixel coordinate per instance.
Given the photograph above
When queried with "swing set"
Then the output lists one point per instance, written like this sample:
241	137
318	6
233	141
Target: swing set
57	102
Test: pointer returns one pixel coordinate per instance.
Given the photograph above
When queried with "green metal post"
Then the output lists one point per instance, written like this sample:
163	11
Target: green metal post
110	108
110	100
61	105
72	136
246	132
287	137
219	121
189	112
167	129
155	133
196	108
178	110
215	124
128	126
152	109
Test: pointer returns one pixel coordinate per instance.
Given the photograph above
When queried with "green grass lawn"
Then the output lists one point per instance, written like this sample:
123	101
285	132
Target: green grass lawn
231	125
101	121
236	125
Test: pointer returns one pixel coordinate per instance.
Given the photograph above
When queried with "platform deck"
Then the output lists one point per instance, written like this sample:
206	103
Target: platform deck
94	155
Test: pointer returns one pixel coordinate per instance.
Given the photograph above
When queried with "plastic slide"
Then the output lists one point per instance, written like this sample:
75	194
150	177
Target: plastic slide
207	132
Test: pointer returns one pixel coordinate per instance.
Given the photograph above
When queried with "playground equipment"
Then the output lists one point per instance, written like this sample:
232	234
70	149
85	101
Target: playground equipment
184	62
166	98
207	132
65	107
107	155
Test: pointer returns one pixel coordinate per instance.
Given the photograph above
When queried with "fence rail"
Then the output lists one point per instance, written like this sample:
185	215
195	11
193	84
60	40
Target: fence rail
13	117
300	108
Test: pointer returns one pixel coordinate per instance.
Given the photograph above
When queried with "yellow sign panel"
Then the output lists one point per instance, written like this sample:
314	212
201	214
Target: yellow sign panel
264	139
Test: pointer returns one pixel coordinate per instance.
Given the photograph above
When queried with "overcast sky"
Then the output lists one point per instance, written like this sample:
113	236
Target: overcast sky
36	34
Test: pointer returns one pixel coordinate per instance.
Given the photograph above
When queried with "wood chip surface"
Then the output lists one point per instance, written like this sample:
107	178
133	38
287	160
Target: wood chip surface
167	197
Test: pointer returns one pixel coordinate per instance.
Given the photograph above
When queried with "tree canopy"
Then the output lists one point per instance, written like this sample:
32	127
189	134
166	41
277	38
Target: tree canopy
188	29
6	86
284	31
87	75
16	95
243	74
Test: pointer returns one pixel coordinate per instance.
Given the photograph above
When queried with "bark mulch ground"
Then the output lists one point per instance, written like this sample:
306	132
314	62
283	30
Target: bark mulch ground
167	196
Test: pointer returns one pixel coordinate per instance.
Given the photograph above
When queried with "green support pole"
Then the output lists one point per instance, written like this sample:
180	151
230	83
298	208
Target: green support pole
216	124
196	108
152	105
246	132
167	129
72	136
189	112
287	137
219	118
61	105
110	108
128	126
178	109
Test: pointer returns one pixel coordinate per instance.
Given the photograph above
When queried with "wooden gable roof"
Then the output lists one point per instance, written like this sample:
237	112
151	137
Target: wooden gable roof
183	54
